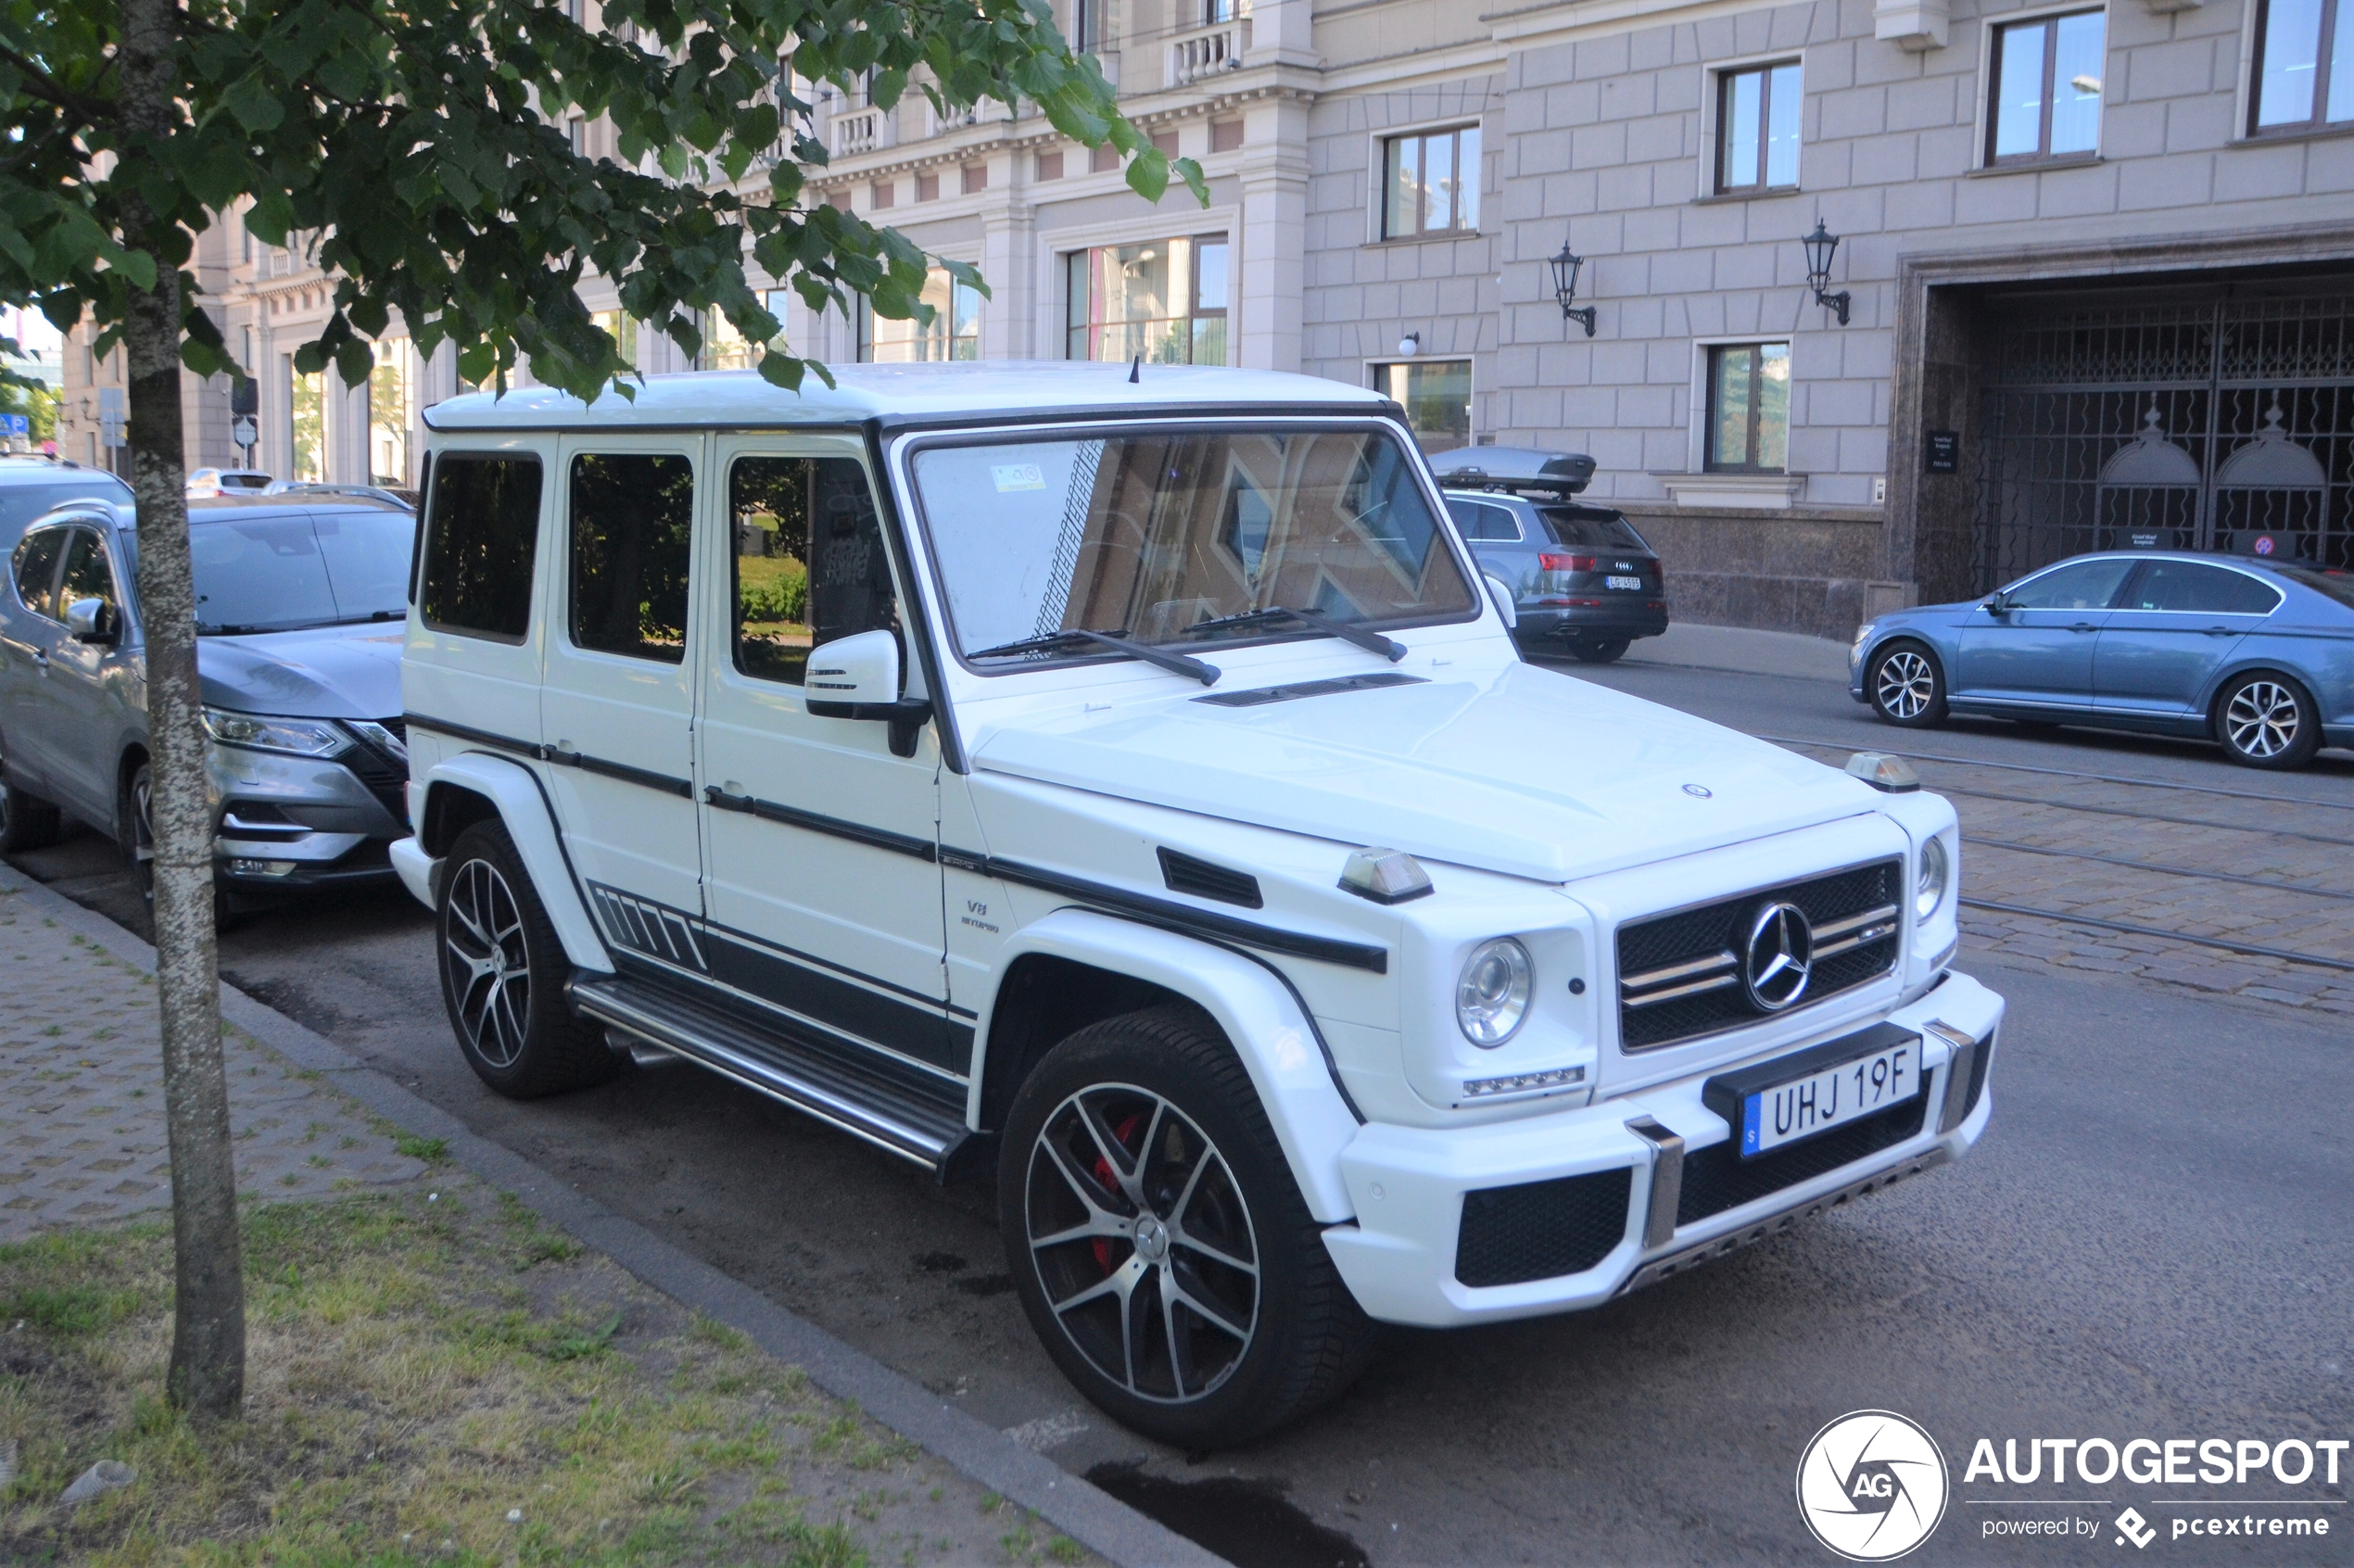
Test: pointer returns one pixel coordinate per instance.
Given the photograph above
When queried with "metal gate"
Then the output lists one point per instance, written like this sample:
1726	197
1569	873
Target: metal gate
2190	425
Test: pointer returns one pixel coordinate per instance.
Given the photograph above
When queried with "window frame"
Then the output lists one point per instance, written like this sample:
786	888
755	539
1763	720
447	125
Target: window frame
2259	36
1384	143
1710	462
1997	30
1721	133
1373	379
1071	263
64	531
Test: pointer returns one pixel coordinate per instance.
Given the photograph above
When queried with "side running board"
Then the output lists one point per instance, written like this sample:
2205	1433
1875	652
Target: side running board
919	1127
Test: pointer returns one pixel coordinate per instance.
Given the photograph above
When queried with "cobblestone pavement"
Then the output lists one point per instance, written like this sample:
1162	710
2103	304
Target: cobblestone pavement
2265	873
81	1129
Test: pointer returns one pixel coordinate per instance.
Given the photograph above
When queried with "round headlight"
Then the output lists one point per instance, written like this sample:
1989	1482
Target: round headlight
1492	997
1929	887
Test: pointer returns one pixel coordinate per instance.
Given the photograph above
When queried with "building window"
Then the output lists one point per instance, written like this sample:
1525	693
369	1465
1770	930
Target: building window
622	328
1430	183
954	332
392	412
1165	300
1757	129
306	424
1083	26
2047	99
1435	395
1749	408
2303	66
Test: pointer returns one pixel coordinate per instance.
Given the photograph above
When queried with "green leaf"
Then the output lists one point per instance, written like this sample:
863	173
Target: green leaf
1148	173
256	107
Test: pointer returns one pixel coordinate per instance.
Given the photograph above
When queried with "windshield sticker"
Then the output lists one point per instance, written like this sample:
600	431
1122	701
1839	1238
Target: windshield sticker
1016	477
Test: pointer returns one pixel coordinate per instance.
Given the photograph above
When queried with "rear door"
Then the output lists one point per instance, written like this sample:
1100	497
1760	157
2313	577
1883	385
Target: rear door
2175	625
28	638
617	707
2040	652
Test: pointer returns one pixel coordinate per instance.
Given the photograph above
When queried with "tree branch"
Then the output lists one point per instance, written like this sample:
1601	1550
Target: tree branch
90	111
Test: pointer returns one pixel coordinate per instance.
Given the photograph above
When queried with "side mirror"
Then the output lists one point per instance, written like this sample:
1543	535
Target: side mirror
91	620
857	677
1999	604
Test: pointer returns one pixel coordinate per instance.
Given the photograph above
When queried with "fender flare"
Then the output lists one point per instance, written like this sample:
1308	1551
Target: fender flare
530	821
1262	1017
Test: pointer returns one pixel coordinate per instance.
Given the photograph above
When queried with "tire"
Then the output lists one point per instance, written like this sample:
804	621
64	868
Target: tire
502	975
1227	1354
1599	652
1906	685
27	822
2264	719
138	840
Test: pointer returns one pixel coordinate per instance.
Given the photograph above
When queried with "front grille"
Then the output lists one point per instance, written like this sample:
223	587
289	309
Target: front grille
386	779
1717	1178
1679	974
1541	1230
400	727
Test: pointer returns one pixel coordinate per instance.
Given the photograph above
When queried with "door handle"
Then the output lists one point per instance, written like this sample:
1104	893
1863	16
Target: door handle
718	797
2084	626
2220	631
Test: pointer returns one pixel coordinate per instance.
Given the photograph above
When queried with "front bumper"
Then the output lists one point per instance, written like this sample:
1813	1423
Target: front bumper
1403	1255
291	822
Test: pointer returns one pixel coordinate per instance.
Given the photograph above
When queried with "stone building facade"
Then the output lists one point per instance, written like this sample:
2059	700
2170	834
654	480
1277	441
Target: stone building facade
2065	232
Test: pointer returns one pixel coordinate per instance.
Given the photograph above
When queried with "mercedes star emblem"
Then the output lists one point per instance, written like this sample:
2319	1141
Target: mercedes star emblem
1779	958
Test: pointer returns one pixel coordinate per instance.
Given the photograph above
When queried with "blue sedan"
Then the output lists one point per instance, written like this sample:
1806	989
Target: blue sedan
2257	656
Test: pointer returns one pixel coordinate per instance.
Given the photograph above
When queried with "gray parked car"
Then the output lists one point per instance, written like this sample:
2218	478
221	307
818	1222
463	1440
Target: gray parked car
1578	579
299	605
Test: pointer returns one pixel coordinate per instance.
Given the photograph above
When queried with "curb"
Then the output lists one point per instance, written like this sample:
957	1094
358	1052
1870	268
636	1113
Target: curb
1090	1516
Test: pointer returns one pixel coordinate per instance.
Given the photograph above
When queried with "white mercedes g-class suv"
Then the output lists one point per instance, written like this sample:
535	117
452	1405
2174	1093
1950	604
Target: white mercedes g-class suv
1119	781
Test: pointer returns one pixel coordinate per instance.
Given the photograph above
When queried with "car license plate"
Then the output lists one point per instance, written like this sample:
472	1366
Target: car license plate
1635	583
1804	1107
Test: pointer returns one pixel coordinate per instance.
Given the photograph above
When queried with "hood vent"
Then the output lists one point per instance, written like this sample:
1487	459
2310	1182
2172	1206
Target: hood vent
1183	874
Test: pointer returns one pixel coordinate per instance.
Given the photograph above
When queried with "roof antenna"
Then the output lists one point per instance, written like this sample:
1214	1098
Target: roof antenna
1136	371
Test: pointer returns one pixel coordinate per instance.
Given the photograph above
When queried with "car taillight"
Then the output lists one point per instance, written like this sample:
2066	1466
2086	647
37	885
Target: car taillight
1551	563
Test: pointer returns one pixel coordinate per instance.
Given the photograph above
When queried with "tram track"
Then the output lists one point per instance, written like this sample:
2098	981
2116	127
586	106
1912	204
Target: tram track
2128	862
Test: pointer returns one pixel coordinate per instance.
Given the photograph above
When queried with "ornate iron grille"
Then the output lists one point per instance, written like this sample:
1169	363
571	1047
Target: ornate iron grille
2184	425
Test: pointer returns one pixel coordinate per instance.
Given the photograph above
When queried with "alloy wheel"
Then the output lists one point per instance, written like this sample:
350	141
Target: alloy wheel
1144	1242
490	969
2261	719
1906	685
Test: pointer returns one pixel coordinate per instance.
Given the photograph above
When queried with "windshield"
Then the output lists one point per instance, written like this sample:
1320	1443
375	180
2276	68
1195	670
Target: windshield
1151	535
1593	529
289	569
2336	584
20	504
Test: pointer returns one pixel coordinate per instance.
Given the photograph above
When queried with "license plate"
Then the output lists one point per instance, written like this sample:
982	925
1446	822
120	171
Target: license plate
1635	583
1804	1107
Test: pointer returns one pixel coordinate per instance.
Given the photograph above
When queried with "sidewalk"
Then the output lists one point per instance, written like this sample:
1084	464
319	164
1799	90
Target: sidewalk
81	1128
1739	648
83	1143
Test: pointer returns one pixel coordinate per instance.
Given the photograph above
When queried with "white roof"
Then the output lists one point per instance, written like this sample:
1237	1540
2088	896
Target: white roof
920	391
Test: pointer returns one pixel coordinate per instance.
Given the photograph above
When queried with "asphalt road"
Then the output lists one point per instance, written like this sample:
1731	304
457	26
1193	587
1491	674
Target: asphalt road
2153	1240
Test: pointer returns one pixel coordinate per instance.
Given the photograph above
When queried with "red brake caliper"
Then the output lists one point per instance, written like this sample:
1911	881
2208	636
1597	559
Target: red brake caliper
1111	1180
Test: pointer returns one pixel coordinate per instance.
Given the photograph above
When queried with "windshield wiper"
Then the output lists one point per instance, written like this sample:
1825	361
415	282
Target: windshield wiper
1371	641
1078	637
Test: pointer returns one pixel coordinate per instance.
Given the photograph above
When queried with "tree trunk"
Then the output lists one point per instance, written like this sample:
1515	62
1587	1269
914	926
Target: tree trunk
207	1375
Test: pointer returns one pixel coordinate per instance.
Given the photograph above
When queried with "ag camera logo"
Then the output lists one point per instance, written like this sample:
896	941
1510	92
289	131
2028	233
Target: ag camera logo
1872	1485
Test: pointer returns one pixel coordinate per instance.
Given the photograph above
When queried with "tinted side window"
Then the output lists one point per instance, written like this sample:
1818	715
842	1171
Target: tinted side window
2189	586
37	569
2085	585
481	542
1479	520
632	515
87	574
810	566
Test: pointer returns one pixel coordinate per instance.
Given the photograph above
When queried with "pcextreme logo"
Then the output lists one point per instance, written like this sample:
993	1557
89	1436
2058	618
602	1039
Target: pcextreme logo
1871	1486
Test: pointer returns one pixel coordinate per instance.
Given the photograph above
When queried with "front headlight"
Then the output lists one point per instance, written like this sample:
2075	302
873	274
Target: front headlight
1930	879
263	732
1491	999
1862	636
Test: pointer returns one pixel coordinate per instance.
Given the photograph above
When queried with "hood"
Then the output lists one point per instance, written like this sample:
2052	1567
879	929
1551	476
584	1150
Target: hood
1522	771
325	672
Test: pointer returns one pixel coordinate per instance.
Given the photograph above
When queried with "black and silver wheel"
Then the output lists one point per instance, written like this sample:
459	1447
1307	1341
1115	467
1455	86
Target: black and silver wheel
1606	653
2266	720
26	821
138	842
1906	685
1159	1243
503	974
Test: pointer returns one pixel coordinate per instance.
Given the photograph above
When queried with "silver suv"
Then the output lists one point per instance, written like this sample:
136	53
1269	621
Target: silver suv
300	603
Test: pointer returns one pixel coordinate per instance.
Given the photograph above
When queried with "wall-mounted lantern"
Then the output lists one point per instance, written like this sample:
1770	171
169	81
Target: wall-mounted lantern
1565	268
1821	245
